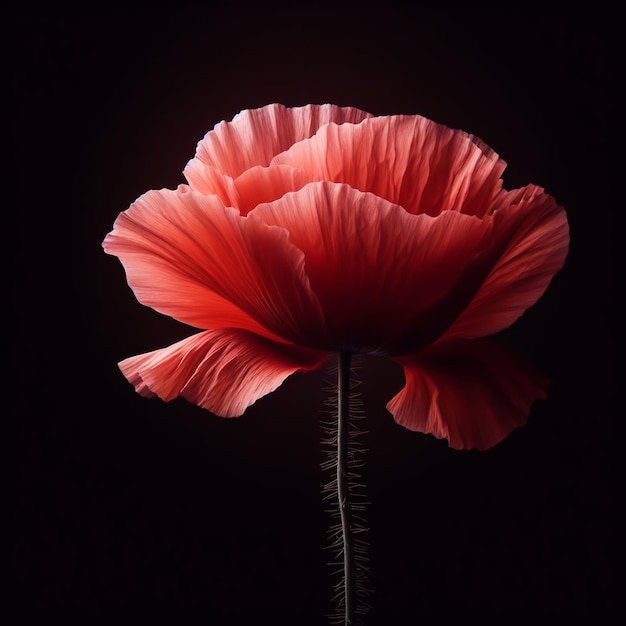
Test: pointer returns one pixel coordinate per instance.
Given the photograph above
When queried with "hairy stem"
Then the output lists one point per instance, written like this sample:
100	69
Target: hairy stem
343	430
344	491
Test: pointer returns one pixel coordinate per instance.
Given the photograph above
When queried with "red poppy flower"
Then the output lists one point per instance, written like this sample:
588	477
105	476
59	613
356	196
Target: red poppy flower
308	230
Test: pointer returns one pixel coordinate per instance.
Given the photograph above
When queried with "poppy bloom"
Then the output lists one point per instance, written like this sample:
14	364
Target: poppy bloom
310	230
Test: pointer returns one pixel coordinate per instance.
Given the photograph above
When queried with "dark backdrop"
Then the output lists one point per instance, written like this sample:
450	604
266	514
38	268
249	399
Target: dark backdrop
128	506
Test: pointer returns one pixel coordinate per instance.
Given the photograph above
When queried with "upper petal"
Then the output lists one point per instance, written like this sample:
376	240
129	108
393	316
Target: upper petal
375	268
264	184
409	160
256	185
471	392
210	181
188	256
531	235
255	135
224	371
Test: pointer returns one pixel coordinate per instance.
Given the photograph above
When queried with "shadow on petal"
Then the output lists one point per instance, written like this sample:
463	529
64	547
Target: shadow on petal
471	392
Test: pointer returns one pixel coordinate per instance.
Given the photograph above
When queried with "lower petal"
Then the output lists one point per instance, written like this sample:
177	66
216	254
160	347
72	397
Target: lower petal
223	371
473	393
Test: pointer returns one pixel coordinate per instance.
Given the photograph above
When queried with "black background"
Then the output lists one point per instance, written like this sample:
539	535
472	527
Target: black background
134	507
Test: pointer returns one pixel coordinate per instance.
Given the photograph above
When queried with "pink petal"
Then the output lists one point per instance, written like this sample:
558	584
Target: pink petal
210	181
532	236
471	392
254	136
378	271
264	184
409	160
188	256
224	371
257	185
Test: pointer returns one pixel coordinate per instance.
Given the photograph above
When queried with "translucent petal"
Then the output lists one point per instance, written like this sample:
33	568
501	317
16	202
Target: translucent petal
224	371
471	392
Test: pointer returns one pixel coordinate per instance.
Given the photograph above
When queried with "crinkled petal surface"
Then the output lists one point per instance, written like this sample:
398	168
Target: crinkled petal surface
409	160
255	186
224	371
259	185
255	136
188	256
210	181
471	392
376	269
531	242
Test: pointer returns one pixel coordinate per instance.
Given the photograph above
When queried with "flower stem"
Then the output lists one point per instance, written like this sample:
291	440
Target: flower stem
343	427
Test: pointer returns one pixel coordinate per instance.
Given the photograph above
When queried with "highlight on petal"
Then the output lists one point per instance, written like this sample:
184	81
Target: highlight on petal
210	181
188	256
265	184
255	135
257	185
471	392
377	270
531	240
224	371
409	160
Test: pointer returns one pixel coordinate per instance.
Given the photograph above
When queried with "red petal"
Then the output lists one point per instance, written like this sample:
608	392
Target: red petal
255	136
409	160
471	392
224	371
532	239
376	269
189	257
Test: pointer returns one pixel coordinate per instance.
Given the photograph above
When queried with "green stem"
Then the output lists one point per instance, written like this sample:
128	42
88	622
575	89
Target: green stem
343	427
